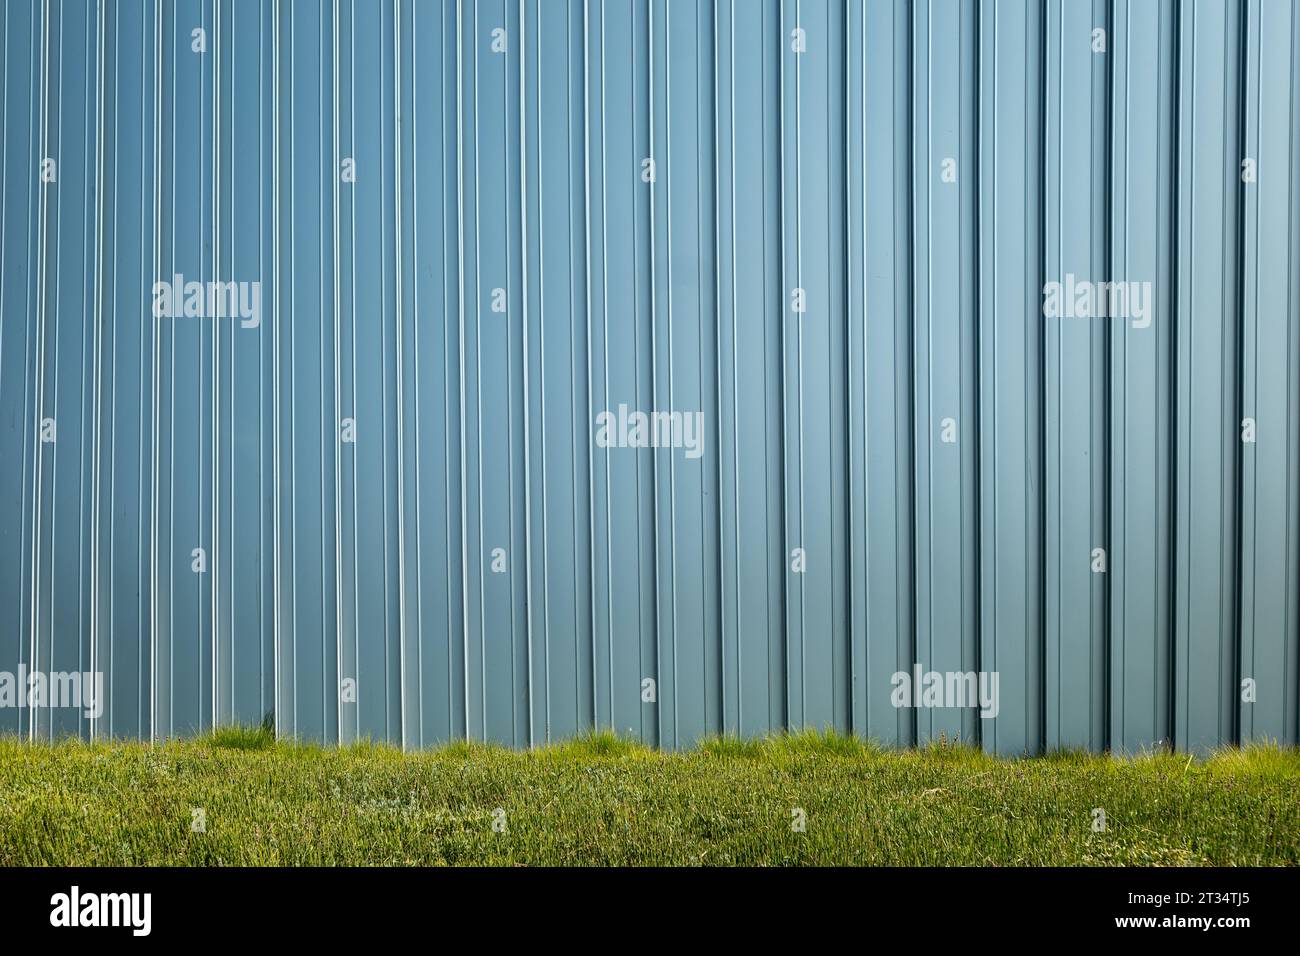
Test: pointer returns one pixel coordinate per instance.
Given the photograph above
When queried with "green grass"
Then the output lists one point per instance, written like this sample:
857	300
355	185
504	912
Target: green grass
603	800
241	737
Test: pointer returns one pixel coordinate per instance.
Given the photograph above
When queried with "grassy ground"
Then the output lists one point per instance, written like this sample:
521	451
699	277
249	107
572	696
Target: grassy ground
602	800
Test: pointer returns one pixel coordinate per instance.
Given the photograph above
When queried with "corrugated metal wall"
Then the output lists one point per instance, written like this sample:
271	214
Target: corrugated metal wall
463	259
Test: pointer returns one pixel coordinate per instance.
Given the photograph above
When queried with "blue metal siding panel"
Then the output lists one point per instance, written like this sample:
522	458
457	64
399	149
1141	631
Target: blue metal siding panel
1074	150
1139	466
943	311
880	366
1270	480
796	145
1208	354
751	318
1010	342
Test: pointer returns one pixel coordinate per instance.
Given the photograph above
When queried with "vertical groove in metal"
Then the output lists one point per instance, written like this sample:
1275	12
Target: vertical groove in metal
1104	72
155	587
826	228
35	568
335	161
467	698
400	321
97	374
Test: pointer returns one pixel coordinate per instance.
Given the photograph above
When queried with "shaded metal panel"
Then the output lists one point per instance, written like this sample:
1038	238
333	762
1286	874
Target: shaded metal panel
824	226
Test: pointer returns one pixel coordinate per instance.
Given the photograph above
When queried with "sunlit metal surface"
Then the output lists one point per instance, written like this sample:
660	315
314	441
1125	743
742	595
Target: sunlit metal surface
376	501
